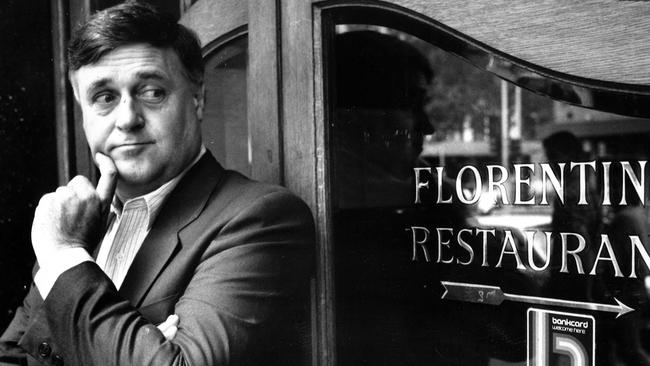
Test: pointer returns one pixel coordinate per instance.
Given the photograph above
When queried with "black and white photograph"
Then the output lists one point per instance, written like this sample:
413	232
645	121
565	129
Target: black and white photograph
325	182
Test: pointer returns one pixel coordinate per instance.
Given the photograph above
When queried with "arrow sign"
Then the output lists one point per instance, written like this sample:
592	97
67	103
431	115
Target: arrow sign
493	295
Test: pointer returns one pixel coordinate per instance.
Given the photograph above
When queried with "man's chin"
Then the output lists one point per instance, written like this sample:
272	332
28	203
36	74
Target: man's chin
134	183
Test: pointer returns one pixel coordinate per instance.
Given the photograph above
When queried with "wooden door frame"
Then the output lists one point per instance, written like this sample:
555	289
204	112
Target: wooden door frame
258	20
305	152
73	156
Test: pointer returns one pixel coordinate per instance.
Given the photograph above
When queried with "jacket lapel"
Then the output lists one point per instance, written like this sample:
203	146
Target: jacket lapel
183	206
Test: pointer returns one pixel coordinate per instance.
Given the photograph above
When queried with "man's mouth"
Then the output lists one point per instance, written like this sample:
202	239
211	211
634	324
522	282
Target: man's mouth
131	146
134	143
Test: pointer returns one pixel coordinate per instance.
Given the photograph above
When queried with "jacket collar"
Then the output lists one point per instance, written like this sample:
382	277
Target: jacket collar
183	206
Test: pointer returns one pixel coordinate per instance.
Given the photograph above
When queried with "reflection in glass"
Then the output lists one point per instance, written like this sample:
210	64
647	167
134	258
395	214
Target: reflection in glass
225	127
442	171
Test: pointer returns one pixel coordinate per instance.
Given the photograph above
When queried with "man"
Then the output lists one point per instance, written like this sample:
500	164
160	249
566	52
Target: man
175	235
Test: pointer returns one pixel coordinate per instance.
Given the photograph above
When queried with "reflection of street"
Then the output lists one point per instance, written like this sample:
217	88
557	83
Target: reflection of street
520	222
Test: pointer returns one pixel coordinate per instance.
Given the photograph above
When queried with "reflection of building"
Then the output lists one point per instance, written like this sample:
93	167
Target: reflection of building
604	135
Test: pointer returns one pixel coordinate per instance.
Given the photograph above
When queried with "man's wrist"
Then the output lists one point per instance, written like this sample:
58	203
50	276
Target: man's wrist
55	264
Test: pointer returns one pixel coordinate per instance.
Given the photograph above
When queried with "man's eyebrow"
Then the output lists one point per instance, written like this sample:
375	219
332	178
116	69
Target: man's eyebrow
142	75
156	75
100	83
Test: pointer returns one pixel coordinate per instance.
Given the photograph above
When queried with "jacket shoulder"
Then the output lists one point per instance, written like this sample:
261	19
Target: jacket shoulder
237	197
245	191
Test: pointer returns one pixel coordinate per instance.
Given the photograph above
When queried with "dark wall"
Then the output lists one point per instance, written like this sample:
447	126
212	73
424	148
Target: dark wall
27	139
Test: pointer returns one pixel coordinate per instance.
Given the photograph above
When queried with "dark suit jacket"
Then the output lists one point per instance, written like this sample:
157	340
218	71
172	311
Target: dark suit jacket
230	256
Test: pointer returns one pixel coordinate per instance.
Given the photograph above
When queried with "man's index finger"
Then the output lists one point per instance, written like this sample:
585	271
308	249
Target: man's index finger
107	179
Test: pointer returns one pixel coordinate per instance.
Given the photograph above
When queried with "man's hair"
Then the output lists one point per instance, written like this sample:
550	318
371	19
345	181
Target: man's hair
129	23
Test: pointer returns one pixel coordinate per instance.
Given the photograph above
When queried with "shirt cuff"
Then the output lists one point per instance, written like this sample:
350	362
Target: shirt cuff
59	262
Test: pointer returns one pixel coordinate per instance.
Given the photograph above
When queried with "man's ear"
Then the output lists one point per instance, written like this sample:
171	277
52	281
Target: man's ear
199	101
75	86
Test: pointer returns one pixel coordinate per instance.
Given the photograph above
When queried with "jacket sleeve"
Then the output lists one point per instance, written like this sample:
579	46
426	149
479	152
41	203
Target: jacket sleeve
10	352
245	278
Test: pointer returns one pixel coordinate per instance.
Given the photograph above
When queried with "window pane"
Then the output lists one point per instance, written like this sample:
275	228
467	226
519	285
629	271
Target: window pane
443	172
225	127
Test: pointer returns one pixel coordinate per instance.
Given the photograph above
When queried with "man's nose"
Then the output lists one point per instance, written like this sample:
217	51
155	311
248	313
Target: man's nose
129	115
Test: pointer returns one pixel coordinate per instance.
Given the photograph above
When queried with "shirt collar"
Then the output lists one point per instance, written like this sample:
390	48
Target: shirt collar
153	200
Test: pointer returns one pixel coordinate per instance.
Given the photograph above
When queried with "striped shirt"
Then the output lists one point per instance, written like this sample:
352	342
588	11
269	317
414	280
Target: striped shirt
128	226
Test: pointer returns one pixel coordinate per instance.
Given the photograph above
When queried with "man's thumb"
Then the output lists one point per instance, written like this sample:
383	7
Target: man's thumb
107	179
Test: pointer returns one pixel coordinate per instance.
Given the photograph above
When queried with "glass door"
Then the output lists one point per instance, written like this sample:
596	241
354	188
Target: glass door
482	212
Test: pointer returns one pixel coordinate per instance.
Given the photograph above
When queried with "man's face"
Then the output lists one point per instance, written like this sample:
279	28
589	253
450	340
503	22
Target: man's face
140	109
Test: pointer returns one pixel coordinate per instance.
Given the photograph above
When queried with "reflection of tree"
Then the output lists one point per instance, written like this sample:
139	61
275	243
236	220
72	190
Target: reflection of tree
462	94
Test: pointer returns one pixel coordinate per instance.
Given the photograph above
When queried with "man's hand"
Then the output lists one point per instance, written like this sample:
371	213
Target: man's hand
74	215
169	327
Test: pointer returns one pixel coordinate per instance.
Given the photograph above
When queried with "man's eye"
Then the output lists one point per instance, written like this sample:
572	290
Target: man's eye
152	95
104	99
